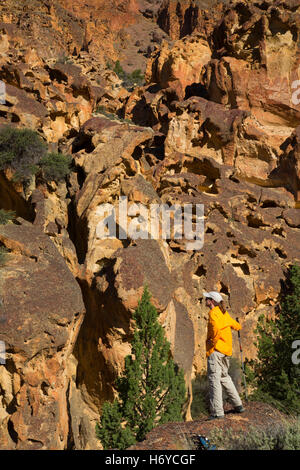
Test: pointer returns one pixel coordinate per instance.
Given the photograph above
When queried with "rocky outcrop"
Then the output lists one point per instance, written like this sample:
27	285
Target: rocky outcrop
51	98
215	126
288	169
64	30
248	65
181	18
41	314
179	66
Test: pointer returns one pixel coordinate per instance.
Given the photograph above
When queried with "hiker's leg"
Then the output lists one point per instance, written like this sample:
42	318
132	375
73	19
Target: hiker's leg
214	371
228	384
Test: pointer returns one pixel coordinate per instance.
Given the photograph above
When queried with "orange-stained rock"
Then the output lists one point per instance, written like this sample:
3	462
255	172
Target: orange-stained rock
181	17
214	125
179	66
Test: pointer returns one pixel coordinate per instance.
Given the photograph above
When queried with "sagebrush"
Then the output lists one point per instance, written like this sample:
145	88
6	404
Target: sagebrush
281	436
129	80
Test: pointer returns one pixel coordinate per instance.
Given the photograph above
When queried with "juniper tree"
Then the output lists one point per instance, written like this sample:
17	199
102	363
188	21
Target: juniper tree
276	377
151	390
24	151
21	149
55	166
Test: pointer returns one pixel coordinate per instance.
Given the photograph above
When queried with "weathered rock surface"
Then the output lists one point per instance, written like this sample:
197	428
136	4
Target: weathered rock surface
178	66
214	125
180	18
41	314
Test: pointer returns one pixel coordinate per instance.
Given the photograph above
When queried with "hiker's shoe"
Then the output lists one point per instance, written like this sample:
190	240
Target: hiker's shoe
239	409
212	417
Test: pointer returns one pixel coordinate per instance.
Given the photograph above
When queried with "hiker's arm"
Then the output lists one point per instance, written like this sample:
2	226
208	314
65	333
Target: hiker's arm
235	325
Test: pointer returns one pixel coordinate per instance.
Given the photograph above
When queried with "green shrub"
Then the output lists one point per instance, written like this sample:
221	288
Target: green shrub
282	436
111	432
64	59
118	69
129	80
25	152
56	166
6	216
21	149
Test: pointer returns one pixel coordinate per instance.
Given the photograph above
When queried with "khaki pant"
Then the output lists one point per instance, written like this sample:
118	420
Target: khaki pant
217	370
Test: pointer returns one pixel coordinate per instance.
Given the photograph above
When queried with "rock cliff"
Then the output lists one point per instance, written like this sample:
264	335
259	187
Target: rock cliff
215	124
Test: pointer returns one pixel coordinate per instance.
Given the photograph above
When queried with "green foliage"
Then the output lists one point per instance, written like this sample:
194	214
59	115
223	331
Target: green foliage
118	69
111	433
6	216
151	389
283	436
275	378
25	152
22	150
129	80
56	166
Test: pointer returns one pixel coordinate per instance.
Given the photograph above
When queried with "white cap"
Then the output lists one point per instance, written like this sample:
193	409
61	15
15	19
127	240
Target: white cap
214	296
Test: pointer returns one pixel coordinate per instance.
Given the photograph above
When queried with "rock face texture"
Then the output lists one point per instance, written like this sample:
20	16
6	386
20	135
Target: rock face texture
41	313
180	18
216	124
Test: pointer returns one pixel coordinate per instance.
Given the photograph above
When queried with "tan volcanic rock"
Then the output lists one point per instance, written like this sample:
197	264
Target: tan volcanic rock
66	97
64	30
100	26
180	65
181	17
253	69
40	323
288	170
257	65
216	126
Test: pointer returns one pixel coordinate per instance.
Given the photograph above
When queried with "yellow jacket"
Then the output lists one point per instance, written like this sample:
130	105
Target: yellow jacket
219	335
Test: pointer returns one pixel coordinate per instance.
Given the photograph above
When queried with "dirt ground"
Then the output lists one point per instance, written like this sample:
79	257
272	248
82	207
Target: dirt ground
176	436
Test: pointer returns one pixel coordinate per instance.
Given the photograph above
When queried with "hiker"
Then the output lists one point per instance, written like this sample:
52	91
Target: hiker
218	351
